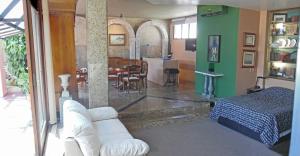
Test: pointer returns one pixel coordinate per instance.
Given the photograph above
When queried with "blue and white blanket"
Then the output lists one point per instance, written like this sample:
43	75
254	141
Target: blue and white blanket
267	113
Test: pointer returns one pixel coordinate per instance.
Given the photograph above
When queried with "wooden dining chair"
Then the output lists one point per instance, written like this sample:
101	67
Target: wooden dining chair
144	73
132	77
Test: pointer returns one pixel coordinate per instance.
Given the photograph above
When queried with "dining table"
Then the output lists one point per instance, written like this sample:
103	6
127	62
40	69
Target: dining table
117	74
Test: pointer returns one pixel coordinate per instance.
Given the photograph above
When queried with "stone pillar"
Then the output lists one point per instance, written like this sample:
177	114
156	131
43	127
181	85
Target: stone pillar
97	52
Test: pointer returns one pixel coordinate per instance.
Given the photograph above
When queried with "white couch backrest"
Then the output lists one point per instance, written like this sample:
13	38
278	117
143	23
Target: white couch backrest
74	106
81	129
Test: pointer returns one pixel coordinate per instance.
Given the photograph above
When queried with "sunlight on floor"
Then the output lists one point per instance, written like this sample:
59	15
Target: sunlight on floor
16	126
54	146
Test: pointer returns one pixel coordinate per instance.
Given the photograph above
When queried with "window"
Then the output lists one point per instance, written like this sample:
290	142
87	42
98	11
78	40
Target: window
185	31
193	30
177	31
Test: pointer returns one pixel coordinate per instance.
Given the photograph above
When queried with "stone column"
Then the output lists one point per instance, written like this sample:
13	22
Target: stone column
96	11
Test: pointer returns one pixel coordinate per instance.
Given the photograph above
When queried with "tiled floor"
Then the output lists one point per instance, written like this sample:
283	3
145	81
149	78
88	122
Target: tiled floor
16	124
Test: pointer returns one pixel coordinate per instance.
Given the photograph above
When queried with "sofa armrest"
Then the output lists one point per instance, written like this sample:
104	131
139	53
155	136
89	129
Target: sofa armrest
103	113
128	147
72	148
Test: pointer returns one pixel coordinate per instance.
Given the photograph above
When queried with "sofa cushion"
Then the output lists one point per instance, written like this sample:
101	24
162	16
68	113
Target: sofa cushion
109	130
74	106
115	140
102	113
81	129
124	147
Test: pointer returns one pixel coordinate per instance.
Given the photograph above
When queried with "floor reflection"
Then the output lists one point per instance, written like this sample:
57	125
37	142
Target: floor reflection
160	97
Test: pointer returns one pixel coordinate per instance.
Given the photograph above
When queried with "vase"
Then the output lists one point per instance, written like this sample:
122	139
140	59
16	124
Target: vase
64	84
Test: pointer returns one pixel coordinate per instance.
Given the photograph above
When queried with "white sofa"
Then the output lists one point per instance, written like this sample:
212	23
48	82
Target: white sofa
97	132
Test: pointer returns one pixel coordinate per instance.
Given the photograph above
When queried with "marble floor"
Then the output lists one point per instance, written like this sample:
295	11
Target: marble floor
118	99
121	100
155	105
164	105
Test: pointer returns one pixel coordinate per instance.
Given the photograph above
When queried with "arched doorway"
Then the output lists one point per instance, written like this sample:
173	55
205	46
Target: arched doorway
131	34
164	37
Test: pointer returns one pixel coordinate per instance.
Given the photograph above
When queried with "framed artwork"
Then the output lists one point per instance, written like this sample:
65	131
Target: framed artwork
249	39
279	18
248	59
214	45
116	39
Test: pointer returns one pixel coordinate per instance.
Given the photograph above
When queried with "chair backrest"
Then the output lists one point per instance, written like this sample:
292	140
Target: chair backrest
144	67
133	70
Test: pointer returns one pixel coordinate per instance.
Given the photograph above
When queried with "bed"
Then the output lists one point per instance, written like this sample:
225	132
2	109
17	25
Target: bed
266	114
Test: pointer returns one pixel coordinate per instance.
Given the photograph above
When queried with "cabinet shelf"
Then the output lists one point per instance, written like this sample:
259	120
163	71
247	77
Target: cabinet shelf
292	63
281	78
277	36
285	48
281	62
286	23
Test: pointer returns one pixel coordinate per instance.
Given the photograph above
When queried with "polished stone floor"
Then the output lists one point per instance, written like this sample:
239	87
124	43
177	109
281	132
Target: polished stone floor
118	99
165	105
121	100
156	105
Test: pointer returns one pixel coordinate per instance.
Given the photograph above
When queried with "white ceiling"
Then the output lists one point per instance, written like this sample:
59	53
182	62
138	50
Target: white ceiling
142	9
166	9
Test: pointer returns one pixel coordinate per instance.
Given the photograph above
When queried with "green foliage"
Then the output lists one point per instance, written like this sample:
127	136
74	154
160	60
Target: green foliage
16	61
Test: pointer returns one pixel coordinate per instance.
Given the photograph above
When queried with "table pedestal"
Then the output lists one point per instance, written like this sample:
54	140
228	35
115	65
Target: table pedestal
209	81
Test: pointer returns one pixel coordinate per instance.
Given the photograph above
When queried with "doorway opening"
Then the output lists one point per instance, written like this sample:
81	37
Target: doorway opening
15	108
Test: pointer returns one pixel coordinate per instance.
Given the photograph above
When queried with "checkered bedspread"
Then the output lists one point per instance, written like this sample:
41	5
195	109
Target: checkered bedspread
268	112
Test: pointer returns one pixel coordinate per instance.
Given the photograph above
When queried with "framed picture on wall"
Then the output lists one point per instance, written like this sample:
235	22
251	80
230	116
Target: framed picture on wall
279	18
248	59
116	39
214	45
249	39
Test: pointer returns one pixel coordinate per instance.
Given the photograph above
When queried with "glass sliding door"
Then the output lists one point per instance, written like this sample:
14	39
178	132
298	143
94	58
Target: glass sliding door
36	70
39	76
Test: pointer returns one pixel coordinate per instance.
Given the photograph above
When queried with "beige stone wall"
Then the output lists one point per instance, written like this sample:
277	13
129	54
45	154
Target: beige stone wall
150	36
118	51
80	42
151	42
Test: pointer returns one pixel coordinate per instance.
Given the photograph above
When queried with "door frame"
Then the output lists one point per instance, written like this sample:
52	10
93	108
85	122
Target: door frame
39	146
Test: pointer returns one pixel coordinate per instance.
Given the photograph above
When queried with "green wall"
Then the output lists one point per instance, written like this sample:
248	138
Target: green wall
227	26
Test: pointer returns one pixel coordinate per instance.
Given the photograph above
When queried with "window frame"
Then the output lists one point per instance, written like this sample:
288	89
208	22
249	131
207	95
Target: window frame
181	31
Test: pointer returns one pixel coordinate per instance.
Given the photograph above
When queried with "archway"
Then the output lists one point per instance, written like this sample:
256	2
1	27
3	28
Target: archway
164	34
130	31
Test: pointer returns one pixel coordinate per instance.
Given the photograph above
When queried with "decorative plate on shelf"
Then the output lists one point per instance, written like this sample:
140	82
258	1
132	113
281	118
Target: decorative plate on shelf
281	43
293	43
288	43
